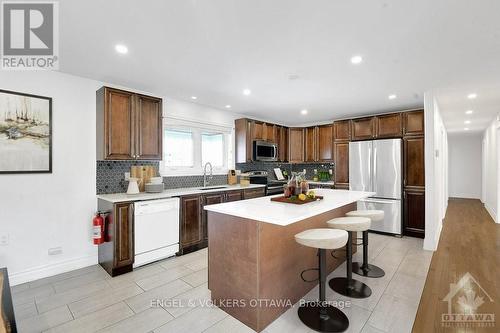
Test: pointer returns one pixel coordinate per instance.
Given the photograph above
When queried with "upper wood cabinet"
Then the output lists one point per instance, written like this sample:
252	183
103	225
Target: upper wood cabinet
414	162
283	144
247	130
363	128
149	128
342	130
325	143
270	133
296	145
389	126
243	140
310	135
341	164
129	125
258	130
413	123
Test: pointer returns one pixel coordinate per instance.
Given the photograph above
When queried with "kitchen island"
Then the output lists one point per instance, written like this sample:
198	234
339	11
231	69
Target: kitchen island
254	263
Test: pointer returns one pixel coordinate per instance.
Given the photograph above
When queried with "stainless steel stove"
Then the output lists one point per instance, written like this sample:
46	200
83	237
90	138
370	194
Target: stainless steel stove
273	186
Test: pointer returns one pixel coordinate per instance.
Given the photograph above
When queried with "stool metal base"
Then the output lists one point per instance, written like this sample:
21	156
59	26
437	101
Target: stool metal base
354	289
323	318
371	271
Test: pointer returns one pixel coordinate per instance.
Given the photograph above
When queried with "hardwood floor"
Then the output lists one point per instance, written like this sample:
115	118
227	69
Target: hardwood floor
470	243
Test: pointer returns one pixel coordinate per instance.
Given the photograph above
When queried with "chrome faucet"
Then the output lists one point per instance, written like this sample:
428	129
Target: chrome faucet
205	182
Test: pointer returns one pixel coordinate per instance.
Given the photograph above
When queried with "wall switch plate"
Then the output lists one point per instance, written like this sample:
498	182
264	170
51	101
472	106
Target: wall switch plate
4	239
127	176
53	251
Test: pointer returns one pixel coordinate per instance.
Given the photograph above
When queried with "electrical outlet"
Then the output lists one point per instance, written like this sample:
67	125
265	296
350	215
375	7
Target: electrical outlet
127	176
4	239
53	251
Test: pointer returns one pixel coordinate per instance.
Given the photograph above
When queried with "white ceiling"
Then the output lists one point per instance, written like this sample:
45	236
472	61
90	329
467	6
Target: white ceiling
213	49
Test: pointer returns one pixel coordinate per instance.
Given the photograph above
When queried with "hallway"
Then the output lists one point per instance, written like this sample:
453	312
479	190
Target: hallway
469	243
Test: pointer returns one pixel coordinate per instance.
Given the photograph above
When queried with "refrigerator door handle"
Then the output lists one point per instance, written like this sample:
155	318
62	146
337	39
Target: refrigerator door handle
374	168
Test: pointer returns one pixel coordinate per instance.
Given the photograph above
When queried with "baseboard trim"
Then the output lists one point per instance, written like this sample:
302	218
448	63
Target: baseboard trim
492	212
432	244
51	269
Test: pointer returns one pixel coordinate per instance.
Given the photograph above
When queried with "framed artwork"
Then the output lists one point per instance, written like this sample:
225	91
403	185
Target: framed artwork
25	133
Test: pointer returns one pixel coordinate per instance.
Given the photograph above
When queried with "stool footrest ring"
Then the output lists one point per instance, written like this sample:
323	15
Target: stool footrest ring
308	270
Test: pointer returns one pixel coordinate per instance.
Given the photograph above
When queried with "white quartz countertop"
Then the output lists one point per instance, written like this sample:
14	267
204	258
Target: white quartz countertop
264	210
123	197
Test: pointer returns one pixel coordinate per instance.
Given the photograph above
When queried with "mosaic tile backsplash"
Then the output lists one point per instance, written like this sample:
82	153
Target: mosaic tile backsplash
111	177
269	167
111	174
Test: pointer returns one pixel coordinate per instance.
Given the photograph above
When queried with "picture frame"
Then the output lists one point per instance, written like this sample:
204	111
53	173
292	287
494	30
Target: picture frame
25	133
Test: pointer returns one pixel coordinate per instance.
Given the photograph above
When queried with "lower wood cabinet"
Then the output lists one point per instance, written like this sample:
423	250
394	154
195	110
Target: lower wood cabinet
254	193
414	213
116	255
193	229
209	199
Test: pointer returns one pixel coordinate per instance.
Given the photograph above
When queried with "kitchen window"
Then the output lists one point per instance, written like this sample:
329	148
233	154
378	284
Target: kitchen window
180	148
188	146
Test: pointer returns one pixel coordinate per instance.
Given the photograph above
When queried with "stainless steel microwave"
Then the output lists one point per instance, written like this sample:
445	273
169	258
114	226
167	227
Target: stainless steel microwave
265	151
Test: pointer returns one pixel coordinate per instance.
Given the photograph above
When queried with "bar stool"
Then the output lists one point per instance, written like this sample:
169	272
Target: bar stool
367	269
348	286
320	316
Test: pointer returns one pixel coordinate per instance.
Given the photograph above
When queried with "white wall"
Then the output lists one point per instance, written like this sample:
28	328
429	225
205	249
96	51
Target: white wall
491	171
436	172
465	165
41	211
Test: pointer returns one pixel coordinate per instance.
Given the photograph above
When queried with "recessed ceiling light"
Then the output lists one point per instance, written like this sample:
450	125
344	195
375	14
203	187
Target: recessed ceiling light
356	60
469	112
466	129
194	97
472	96
304	112
228	106
467	122
392	96
247	92
120	48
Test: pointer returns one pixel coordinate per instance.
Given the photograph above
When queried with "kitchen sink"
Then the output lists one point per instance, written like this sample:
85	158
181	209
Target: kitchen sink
212	188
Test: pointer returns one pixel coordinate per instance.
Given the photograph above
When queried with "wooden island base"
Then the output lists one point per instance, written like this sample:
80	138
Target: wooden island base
254	267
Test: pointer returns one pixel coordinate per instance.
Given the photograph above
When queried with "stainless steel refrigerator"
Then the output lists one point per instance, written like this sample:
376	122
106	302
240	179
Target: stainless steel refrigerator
375	166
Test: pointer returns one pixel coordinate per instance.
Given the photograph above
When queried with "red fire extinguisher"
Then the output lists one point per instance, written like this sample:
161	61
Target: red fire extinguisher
98	229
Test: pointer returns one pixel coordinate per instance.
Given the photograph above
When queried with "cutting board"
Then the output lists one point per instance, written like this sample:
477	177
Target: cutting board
144	173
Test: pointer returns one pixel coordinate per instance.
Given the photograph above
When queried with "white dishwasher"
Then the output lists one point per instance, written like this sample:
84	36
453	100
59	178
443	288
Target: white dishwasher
156	230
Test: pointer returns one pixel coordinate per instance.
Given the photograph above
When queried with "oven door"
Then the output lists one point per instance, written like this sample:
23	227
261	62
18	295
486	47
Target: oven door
264	151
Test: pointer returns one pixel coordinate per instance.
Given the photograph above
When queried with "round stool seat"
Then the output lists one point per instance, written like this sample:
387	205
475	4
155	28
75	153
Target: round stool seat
373	215
351	223
322	238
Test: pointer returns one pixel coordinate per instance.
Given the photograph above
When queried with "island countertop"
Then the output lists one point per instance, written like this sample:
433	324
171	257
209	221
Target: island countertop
283	214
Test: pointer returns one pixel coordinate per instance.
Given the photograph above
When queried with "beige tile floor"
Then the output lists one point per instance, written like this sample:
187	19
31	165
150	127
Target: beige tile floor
89	300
